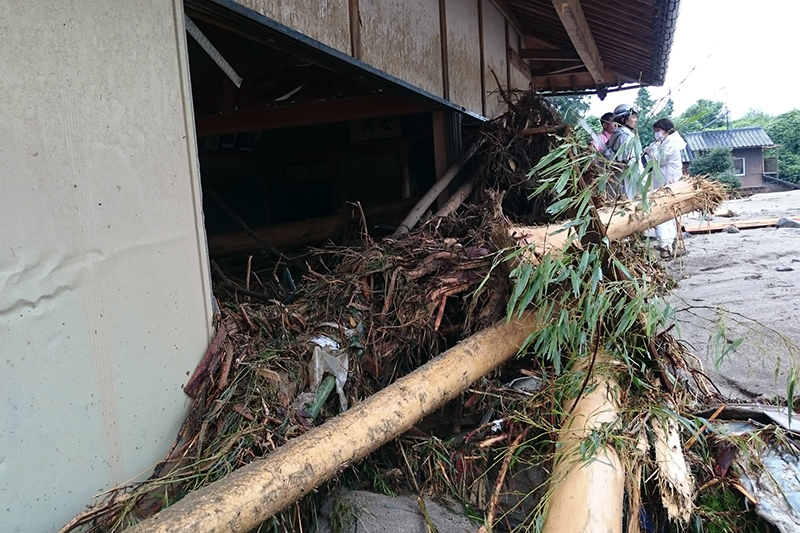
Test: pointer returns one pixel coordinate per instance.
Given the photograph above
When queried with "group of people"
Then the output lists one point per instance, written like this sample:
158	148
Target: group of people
619	143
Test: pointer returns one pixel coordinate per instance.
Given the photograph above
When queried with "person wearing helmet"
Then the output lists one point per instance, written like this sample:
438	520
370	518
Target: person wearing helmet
624	147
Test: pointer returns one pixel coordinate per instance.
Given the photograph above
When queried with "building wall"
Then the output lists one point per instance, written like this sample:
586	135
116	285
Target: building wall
104	293
327	21
753	166
464	53
404	38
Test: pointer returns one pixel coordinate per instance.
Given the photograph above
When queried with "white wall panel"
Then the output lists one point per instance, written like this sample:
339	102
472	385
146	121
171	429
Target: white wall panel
104	290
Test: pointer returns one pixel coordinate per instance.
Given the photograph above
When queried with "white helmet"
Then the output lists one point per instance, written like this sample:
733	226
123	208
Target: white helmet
622	111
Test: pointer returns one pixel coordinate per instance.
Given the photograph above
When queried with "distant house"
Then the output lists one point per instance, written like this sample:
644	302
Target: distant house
747	147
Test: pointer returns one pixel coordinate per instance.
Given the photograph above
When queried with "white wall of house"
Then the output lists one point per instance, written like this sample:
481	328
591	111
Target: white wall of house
104	293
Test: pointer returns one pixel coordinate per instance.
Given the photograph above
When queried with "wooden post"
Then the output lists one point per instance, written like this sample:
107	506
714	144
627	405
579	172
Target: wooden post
440	151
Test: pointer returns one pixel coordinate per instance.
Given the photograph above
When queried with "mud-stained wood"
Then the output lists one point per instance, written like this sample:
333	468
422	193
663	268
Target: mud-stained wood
327	22
495	57
401	37
481	32
355	29
463	54
443	38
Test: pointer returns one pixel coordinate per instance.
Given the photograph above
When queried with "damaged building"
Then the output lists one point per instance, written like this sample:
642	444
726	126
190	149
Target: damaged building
131	130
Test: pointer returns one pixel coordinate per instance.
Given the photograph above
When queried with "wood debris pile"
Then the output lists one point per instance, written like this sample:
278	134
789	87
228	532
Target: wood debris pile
375	312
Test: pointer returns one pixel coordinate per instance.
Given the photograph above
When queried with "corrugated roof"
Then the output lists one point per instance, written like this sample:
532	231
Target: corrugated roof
698	141
735	138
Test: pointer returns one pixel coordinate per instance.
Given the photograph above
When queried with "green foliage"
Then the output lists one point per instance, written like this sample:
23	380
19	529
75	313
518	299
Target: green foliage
594	123
701	115
720	511
753	118
785	131
718	164
586	308
571	108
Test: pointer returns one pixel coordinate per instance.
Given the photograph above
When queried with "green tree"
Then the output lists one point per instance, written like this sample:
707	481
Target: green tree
752	118
784	130
571	108
701	115
718	164
649	112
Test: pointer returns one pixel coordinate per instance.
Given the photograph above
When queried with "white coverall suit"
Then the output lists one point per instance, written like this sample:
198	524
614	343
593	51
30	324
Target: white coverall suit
668	168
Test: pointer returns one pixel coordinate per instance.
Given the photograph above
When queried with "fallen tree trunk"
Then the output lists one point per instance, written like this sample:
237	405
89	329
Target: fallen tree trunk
246	498
628	218
586	494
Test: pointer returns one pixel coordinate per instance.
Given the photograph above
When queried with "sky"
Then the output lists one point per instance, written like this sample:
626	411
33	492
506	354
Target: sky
741	52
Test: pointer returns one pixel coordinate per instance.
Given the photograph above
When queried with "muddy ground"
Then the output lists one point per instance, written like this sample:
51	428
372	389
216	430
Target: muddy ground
754	275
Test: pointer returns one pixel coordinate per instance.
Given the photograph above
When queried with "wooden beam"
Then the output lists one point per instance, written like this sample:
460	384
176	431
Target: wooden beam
309	232
287	116
483	61
355	29
571	14
443	43
517	62
549	55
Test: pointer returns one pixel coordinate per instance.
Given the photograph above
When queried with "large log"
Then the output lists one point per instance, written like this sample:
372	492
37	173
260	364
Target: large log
254	493
628	218
586	494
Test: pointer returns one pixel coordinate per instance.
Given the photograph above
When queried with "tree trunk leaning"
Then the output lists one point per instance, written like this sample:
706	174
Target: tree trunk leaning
249	496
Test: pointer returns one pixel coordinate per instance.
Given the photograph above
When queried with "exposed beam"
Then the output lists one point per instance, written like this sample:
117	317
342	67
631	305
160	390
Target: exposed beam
549	55
287	116
541	73
355	28
574	21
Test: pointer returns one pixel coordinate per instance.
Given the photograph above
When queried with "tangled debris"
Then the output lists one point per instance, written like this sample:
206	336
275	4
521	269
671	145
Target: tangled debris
373	313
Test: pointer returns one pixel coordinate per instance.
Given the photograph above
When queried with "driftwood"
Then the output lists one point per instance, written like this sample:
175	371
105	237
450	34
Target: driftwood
457	199
254	493
438	188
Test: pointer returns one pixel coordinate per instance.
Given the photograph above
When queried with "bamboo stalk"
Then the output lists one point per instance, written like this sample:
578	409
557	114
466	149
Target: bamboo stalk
628	218
587	492
254	493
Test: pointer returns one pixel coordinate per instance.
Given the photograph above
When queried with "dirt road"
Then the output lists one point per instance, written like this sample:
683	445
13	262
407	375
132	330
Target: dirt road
745	286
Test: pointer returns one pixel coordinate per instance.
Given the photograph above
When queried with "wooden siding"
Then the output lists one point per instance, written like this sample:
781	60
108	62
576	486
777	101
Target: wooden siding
753	166
327	21
464	53
401	37
495	56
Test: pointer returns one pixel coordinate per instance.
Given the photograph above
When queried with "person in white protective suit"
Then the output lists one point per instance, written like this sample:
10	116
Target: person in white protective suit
624	147
667	167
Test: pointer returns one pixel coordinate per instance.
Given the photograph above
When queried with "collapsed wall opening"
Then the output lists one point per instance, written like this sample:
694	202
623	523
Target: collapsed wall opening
299	144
